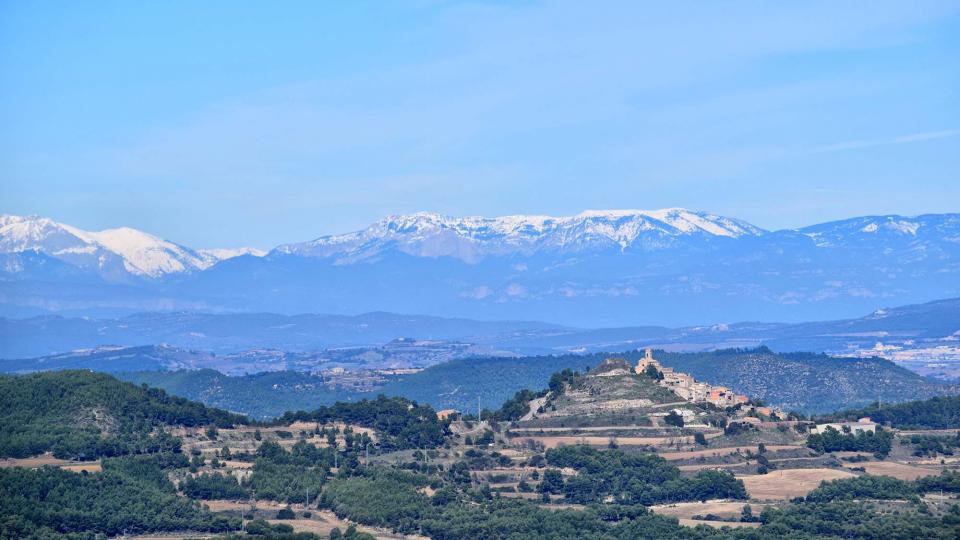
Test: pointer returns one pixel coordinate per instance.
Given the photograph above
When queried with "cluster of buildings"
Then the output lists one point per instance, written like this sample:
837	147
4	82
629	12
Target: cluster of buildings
688	388
863	425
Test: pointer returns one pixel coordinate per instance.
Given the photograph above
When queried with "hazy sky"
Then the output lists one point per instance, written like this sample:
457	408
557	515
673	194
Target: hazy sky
254	123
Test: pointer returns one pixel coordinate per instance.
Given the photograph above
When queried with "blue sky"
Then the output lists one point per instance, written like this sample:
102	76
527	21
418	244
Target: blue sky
254	123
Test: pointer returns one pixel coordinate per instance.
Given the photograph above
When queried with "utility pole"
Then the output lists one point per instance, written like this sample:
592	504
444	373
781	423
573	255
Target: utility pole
479	414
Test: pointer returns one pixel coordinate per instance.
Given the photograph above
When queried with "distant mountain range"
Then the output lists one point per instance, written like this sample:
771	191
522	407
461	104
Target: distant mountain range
930	325
670	267
113	254
805	382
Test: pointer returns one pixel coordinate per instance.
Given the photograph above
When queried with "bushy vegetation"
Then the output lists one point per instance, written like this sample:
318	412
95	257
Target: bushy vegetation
131	495
934	413
515	407
296	476
399	422
382	498
850	520
636	478
207	486
932	445
80	414
883	488
948	482
863	487
862	441
392	501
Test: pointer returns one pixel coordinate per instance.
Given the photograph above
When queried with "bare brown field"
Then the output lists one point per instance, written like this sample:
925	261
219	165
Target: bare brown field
324	521
520	495
707	466
222	506
687	522
716	452
930	432
33	462
172	536
81	467
717	508
48	459
900	471
786	484
300	426
562	506
587	428
936	461
850	454
560	440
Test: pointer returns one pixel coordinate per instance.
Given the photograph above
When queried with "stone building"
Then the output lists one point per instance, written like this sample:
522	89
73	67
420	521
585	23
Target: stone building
864	425
688	388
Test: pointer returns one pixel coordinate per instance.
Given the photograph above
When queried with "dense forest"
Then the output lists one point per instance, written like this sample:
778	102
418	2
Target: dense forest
400	422
80	414
934	413
131	495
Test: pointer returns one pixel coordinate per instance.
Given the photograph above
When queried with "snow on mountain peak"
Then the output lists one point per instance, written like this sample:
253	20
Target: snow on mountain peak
471	238
215	255
135	251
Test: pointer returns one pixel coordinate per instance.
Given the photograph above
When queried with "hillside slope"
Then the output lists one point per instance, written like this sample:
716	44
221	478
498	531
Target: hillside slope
84	414
805	381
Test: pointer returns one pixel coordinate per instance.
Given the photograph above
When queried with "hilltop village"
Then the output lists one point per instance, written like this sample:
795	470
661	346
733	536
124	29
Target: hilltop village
685	386
692	390
607	453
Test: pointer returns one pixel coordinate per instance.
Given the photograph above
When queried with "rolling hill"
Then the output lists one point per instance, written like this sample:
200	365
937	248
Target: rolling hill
803	382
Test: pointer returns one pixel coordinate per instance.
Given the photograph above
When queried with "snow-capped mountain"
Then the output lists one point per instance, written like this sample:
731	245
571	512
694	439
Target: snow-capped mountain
625	267
112	252
884	229
215	255
470	239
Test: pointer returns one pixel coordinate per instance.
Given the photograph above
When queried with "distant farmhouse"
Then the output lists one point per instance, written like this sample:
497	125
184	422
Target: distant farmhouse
443	414
863	425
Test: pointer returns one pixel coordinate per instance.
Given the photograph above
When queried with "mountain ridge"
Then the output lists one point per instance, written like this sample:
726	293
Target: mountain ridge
922	325
524	233
595	269
136	252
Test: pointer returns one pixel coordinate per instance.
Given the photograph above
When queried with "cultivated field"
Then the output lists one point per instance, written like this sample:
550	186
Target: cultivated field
900	471
782	485
561	440
324	521
48	459
716	452
721	508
